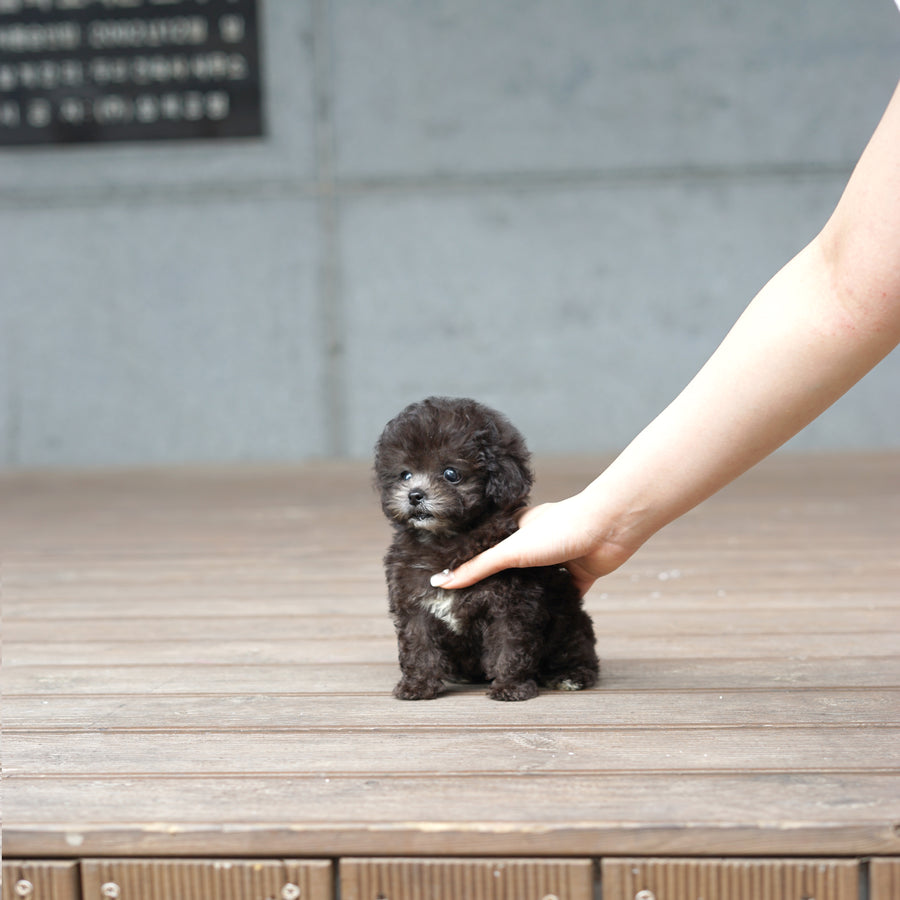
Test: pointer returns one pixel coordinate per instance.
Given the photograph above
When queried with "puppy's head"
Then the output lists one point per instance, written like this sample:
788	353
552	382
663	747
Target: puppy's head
442	463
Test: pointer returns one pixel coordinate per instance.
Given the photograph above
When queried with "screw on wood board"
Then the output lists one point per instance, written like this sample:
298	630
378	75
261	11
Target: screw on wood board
24	888
645	895
110	890
290	892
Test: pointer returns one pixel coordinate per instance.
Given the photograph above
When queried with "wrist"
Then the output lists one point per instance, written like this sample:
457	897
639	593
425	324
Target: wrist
621	519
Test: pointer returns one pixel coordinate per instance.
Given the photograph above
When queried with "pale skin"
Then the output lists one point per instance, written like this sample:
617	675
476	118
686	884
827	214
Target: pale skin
821	323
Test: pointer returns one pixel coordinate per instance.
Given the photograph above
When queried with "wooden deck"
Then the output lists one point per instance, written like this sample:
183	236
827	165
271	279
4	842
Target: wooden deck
200	663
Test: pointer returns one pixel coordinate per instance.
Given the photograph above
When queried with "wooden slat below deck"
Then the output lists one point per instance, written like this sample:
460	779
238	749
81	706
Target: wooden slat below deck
199	663
723	879
41	880
448	879
884	879
199	879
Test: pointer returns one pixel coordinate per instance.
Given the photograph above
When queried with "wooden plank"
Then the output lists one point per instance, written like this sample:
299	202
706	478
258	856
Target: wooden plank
730	879
344	600
677	676
222	879
472	879
445	752
299	627
464	708
511	814
680	564
682	574
40	880
211	879
884	879
278	651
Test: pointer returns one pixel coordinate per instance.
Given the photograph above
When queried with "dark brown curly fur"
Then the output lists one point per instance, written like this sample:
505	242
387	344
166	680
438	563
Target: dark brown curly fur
452	475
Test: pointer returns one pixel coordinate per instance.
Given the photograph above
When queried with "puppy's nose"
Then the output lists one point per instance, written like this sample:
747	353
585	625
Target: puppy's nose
416	496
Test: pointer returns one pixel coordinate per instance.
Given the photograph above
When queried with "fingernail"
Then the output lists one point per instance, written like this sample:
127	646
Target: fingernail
441	578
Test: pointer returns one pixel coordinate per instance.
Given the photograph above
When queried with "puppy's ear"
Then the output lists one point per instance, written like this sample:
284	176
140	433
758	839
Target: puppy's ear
508	483
506	465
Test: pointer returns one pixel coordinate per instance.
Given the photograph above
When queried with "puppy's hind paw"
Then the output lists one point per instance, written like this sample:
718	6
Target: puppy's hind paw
523	690
407	689
575	681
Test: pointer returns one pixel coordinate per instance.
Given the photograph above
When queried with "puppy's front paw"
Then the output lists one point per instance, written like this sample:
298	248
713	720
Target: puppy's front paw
523	690
410	689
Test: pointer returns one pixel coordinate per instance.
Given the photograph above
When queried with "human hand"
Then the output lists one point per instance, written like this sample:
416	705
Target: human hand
565	533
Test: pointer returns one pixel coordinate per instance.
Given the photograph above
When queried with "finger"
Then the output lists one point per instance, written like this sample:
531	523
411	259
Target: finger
487	563
492	561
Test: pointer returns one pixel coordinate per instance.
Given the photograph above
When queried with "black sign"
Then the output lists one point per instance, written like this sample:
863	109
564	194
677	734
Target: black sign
128	70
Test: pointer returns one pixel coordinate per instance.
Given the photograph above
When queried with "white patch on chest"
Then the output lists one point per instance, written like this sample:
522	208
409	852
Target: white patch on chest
440	604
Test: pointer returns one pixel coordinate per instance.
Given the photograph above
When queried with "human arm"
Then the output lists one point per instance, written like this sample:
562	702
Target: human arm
822	322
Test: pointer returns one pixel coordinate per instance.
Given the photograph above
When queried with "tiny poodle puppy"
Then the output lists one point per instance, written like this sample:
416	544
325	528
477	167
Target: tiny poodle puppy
452	474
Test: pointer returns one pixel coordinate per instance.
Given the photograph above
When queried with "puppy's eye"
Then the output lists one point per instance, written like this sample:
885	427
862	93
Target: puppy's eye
452	475
405	476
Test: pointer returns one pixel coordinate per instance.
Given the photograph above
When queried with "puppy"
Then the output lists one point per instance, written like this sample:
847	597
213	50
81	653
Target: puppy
452	474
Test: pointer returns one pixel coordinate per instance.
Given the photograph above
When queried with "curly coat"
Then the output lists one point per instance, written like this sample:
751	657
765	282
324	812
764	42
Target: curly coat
452	475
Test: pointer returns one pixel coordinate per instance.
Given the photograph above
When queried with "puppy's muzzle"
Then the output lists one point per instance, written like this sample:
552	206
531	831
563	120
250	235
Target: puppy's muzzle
419	508
415	504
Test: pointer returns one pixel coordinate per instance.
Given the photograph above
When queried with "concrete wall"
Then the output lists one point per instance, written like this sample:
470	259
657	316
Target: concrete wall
556	207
